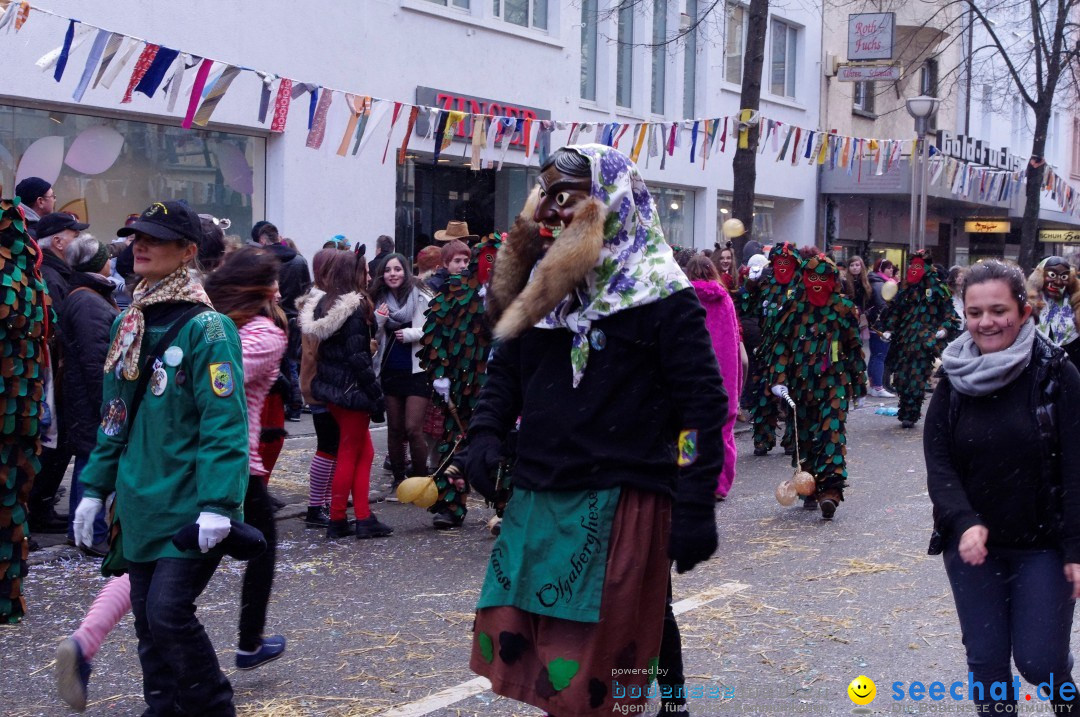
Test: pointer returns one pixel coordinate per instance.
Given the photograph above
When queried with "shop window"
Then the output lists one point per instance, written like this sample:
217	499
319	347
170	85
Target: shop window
624	69
734	43
863	97
785	46
526	13
588	49
689	17
764	211
675	207
110	168
659	55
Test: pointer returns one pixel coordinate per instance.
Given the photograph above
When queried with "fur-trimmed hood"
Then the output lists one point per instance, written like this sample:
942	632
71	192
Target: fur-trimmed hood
326	326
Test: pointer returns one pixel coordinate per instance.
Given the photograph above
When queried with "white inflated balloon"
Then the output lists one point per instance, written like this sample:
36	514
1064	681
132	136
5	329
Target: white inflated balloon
888	291
733	228
44	159
95	150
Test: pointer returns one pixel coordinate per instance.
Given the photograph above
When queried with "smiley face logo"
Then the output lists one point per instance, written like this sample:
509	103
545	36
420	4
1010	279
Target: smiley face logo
862	690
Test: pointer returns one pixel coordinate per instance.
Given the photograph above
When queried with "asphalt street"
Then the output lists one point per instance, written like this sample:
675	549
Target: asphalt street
787	613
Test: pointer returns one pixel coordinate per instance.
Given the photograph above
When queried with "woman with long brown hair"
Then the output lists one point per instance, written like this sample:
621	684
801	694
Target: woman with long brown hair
345	380
245	289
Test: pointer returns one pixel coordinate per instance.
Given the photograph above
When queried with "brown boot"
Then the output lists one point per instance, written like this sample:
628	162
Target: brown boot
828	499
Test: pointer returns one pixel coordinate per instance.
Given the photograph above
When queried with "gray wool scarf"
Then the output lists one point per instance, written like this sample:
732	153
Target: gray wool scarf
976	374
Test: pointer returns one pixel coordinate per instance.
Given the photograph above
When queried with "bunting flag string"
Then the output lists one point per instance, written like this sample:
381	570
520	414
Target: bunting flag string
489	137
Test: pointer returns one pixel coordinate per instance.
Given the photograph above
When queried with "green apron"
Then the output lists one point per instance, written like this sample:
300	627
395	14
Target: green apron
551	556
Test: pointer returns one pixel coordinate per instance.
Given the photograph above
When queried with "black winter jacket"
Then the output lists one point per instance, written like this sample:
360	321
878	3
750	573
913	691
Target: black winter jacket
85	324
294	278
58	277
344	374
1011	460
651	374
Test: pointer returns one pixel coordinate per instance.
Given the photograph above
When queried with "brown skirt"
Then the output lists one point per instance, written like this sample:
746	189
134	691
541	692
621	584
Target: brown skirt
571	668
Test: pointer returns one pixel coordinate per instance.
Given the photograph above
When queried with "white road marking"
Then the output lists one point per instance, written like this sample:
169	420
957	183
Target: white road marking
475	686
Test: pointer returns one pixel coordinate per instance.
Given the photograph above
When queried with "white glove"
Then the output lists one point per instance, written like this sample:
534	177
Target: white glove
84	520
442	387
940	334
887	336
213	528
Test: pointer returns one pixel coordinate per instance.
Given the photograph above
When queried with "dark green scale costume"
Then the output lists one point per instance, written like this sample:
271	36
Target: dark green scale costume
24	320
817	354
765	300
456	345
915	316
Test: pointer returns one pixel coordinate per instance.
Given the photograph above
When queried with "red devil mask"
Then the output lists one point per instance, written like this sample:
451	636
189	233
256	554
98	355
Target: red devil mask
916	270
819	287
783	267
485	263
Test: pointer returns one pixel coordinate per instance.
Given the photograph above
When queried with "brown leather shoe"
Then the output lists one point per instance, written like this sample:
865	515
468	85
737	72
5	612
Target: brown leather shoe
828	500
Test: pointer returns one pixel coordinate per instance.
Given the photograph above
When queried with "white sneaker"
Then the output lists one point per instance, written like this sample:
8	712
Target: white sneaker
879	392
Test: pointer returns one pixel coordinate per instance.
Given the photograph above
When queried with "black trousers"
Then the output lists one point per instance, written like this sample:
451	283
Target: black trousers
259	576
670	676
181	675
54	463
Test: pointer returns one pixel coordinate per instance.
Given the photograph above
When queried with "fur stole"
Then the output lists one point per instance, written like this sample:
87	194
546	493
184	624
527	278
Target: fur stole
514	302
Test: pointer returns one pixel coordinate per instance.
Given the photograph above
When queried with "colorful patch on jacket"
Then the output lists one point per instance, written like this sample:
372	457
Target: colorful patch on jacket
221	379
687	446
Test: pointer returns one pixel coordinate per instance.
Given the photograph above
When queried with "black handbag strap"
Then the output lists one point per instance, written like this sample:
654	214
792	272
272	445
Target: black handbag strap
159	350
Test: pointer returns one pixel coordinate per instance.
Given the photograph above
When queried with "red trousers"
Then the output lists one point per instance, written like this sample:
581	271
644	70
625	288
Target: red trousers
352	474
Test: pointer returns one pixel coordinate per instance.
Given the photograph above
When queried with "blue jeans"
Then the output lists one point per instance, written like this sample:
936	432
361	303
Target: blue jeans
181	675
876	366
101	530
1016	603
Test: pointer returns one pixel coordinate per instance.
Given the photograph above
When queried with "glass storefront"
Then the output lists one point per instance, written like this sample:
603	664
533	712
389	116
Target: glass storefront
104	169
431	194
763	218
676	210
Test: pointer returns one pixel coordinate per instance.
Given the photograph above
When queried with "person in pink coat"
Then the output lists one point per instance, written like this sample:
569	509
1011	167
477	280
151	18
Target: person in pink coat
723	327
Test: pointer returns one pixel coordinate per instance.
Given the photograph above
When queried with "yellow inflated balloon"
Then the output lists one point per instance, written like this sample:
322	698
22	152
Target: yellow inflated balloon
733	228
412	489
888	292
430	494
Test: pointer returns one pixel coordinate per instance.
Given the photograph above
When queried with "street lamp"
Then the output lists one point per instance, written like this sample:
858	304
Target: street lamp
920	108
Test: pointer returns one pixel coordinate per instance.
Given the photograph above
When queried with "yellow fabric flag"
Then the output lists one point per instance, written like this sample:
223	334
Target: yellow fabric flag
451	124
744	128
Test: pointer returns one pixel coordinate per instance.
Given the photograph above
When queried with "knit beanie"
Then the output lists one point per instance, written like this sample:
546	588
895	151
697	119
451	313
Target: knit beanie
94	263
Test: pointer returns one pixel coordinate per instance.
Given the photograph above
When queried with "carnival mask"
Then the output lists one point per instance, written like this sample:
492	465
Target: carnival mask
558	200
819	287
1056	277
783	268
485	262
916	270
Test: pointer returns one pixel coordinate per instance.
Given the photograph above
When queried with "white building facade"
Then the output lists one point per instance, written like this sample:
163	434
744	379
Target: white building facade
571	62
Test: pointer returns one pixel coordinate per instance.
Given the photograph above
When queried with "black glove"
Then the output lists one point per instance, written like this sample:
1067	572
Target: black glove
482	457
693	535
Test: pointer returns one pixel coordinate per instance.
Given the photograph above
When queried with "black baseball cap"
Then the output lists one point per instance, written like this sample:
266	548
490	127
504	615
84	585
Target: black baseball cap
174	221
54	223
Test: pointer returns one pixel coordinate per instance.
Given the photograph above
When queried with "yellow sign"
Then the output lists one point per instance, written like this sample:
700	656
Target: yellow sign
1060	236
986	226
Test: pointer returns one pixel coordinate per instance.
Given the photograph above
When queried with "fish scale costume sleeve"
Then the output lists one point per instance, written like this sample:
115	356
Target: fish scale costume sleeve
25	317
455	345
818	356
918	313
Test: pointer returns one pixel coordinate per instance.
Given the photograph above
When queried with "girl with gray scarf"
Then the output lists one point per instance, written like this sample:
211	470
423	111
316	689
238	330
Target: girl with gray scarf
1002	447
400	303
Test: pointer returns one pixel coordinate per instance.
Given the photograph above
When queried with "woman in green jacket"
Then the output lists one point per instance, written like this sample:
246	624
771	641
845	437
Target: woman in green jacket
173	446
